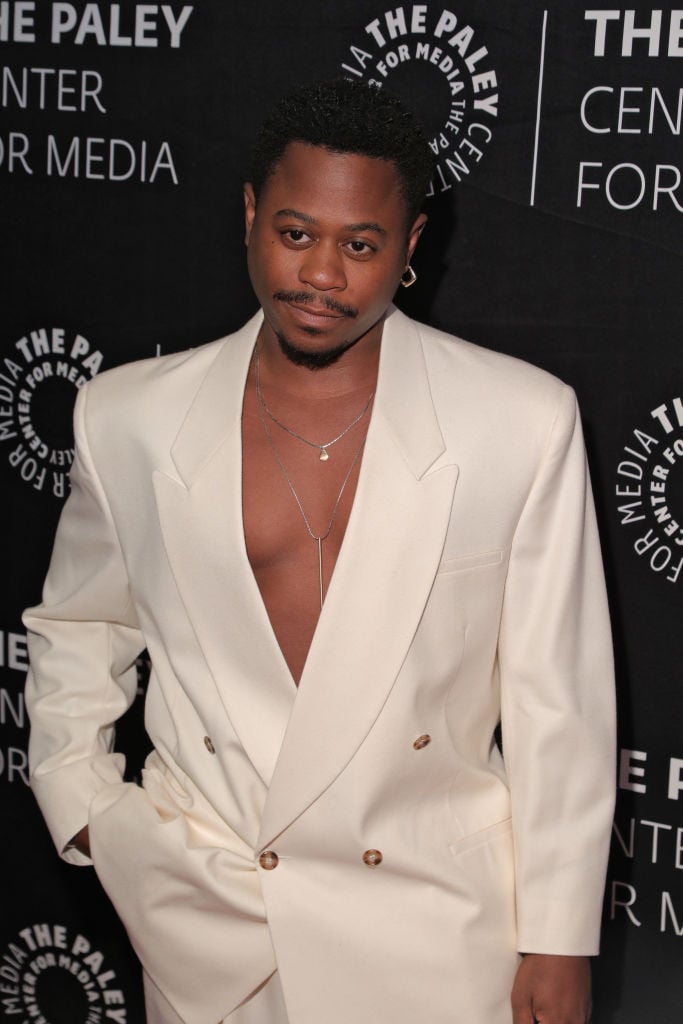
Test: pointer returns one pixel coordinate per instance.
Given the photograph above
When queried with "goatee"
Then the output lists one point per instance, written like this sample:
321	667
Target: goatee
312	360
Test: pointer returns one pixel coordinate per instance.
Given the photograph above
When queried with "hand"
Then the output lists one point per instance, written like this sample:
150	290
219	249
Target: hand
81	841
552	990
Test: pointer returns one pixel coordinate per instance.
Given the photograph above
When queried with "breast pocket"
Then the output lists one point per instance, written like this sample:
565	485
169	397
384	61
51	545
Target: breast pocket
470	563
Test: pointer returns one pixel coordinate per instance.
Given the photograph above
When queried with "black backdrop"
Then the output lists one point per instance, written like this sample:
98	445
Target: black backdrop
554	235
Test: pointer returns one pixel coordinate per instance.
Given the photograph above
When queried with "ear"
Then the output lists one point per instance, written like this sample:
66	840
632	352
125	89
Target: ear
249	210
414	235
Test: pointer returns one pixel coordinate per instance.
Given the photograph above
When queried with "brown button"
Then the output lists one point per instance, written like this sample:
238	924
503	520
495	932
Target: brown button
372	858
422	741
269	860
209	745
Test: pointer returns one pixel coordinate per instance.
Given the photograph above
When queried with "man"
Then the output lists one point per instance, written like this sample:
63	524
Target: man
352	545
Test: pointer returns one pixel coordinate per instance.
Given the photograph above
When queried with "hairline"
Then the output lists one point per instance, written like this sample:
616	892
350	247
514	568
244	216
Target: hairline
410	213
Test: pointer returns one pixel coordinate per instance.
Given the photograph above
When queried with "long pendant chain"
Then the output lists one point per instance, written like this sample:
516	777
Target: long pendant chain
318	538
322	448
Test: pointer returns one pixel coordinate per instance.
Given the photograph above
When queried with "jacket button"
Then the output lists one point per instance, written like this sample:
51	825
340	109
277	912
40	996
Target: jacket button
269	860
372	858
422	741
209	745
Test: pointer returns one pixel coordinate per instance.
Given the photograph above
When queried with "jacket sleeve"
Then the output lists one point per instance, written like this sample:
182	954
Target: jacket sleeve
557	698
83	641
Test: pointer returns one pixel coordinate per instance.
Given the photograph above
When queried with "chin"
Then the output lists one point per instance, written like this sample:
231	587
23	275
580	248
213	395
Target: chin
315	359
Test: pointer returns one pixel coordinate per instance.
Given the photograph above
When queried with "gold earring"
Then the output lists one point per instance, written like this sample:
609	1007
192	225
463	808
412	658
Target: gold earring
408	277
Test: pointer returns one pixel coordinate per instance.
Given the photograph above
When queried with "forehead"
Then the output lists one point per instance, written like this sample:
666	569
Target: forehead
327	185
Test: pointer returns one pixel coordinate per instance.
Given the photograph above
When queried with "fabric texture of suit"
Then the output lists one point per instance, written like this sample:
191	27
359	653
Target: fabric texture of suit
468	588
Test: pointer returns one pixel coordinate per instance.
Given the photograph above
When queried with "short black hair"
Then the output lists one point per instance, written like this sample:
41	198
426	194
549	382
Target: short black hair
344	116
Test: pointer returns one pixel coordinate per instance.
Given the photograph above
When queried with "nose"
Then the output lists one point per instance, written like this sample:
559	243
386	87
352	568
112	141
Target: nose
322	267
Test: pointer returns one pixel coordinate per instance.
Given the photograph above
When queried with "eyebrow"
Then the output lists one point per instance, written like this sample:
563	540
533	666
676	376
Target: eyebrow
305	217
365	225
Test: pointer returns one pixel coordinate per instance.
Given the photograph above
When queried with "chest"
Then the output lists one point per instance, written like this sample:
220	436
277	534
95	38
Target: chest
295	509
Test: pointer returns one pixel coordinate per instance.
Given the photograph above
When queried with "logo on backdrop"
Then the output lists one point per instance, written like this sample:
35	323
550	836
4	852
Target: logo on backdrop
38	383
83	97
642	100
53	976
435	61
649	489
13	724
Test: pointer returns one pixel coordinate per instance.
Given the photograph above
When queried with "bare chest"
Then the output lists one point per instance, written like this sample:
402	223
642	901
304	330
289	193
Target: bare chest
295	509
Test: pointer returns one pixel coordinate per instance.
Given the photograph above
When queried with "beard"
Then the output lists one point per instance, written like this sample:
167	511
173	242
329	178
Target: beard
301	356
312	360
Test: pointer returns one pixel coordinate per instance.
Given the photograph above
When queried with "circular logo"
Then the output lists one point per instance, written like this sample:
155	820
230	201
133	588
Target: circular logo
38	384
649	490
436	62
48	975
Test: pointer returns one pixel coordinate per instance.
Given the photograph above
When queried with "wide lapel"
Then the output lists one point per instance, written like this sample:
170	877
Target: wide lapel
201	521
380	584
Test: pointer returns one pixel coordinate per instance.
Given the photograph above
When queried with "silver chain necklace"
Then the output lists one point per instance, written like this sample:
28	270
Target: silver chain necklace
318	538
322	448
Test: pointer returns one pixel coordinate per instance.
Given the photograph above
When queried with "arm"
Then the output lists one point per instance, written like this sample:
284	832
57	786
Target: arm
83	642
558	729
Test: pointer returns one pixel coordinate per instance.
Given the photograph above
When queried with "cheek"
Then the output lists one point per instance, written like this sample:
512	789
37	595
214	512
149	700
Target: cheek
270	269
379	286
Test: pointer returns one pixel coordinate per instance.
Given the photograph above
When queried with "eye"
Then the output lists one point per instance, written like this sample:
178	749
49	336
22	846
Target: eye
295	235
359	248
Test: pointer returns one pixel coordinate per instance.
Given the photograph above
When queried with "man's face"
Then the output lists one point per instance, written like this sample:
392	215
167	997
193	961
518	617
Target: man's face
327	245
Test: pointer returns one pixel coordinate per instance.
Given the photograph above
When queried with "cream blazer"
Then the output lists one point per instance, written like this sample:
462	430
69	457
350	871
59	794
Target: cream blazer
468	590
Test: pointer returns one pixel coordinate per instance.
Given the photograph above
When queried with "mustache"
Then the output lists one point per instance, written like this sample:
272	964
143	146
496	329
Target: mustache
309	299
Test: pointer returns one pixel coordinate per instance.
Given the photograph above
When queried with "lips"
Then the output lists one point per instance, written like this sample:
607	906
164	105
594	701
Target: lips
314	316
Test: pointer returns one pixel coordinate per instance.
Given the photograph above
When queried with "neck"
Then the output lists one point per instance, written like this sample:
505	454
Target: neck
354	370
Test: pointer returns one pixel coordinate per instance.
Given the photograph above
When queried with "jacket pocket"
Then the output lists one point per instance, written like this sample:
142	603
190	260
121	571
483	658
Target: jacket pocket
480	560
487	835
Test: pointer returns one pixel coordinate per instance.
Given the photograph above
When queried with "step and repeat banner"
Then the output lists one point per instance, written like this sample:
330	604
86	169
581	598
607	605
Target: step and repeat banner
555	234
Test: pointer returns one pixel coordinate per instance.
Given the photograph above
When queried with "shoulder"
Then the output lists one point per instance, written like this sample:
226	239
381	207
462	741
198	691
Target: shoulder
153	378
482	367
160	391
487	399
142	402
478	378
